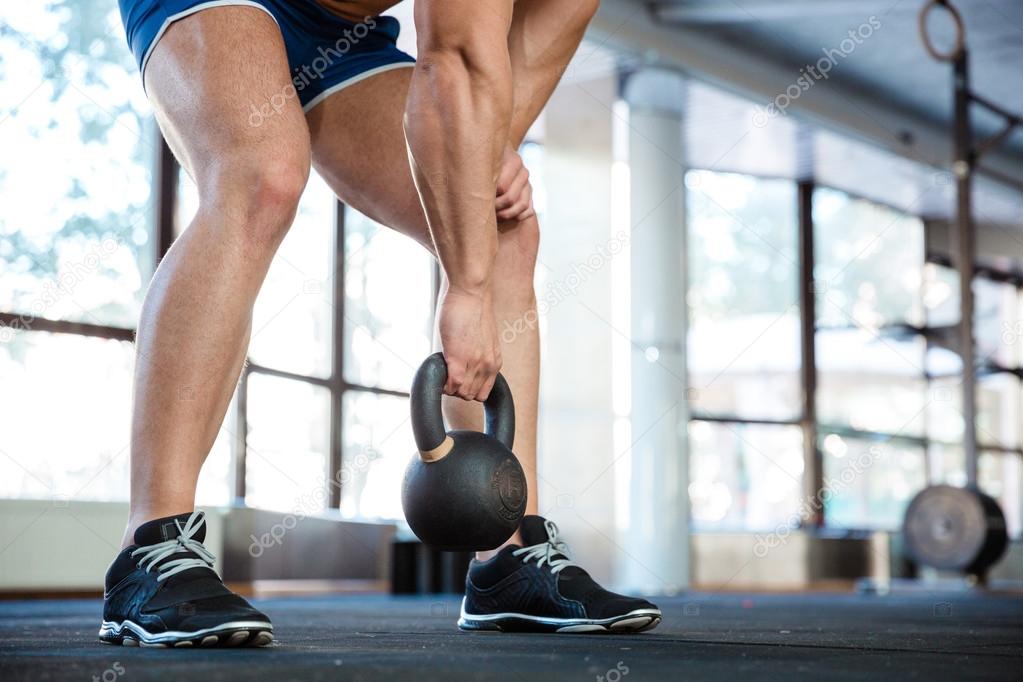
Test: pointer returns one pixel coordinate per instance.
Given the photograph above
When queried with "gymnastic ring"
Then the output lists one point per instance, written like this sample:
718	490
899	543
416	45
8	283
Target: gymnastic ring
960	42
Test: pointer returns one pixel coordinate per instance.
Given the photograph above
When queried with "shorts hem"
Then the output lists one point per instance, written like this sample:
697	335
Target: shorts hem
353	80
185	13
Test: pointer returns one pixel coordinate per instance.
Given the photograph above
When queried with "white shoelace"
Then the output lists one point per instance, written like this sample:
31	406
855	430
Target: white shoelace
183	544
547	551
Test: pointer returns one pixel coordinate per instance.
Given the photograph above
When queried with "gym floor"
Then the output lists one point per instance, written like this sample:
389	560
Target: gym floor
927	636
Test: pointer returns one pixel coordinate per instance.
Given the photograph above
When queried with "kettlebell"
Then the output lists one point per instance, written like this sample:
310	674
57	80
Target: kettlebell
463	490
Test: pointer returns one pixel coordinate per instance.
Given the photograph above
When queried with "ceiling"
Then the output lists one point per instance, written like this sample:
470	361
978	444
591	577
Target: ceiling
718	137
890	64
880	124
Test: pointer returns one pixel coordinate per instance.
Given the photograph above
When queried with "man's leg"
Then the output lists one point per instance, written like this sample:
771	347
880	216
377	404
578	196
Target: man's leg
542	38
202	78
367	168
518	330
359	148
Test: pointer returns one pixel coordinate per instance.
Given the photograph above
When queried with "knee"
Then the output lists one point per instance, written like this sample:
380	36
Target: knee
269	200
256	197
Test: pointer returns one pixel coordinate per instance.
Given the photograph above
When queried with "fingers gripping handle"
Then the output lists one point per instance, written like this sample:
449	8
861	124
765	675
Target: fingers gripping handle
428	428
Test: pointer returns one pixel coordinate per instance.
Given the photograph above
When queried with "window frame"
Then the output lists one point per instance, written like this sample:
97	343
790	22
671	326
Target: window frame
812	428
165	229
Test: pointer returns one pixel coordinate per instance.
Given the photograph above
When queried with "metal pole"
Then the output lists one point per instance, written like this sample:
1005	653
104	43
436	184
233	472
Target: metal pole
813	467
337	362
962	168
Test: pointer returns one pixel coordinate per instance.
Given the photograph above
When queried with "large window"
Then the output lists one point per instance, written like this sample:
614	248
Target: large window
743	346
287	442
76	245
870	480
292	320
387	333
744	476
84	385
743	351
287	410
886	385
337	335
872	390
388	305
868	263
319	418
998	332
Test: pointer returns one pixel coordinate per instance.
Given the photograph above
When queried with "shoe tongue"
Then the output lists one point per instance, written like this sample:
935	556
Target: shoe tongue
162	530
533	530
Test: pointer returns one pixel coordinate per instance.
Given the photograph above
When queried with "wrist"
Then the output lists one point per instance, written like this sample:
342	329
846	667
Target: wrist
472	276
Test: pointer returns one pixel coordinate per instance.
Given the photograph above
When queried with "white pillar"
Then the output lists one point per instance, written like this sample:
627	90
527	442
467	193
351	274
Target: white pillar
574	293
656	534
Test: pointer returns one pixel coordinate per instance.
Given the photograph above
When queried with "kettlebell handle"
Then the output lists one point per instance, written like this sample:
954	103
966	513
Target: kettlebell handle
431	436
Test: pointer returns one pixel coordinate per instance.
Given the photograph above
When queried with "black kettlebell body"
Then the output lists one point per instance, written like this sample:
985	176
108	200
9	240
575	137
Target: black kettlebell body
463	490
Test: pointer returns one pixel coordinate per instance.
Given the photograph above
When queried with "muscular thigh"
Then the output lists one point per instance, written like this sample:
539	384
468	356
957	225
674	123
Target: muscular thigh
204	78
358	146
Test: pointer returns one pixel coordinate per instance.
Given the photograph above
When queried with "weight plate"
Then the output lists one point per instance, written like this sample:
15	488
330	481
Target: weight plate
954	529
997	536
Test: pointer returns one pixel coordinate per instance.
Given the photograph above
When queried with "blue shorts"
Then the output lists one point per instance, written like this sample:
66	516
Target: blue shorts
326	52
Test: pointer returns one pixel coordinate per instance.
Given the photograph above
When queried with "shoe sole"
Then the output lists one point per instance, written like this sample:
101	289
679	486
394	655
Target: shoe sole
638	620
233	634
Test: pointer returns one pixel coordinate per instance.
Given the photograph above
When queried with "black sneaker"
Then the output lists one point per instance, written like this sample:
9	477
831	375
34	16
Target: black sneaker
537	588
162	591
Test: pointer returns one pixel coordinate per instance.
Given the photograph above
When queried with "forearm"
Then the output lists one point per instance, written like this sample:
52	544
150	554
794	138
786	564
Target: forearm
456	125
544	35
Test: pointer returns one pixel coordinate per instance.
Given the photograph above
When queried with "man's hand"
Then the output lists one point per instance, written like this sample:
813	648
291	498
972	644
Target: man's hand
468	338
514	193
